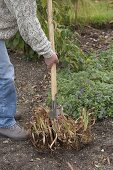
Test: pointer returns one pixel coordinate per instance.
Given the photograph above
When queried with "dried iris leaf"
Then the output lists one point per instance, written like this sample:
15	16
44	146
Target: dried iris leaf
65	131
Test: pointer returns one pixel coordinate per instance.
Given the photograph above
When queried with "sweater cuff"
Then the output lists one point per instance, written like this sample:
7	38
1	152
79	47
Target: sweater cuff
49	54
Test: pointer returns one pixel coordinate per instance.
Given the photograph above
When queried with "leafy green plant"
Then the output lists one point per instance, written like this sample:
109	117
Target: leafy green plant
90	89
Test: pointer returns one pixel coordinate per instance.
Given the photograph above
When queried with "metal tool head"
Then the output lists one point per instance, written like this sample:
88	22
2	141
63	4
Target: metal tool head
53	114
55	111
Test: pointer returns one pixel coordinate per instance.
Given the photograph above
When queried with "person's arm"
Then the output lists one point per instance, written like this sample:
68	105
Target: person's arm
29	26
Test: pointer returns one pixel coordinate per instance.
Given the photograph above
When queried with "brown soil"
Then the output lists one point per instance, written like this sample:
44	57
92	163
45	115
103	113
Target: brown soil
31	83
95	40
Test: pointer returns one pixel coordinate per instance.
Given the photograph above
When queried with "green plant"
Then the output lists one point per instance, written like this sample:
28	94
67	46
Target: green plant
91	88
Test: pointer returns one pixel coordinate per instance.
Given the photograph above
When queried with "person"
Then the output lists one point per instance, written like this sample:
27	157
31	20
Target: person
18	15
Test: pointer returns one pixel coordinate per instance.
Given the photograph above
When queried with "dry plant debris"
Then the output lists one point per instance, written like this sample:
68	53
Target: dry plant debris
61	132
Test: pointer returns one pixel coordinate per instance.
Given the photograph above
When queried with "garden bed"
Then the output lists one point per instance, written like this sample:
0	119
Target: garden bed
32	84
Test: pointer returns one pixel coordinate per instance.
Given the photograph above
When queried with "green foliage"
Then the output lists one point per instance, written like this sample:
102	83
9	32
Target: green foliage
70	54
98	13
91	88
84	12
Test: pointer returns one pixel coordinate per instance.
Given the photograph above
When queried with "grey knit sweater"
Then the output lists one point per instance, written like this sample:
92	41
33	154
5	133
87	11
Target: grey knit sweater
21	15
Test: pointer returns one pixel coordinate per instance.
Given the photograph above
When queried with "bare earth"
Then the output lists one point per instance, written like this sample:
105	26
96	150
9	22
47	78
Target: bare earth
23	156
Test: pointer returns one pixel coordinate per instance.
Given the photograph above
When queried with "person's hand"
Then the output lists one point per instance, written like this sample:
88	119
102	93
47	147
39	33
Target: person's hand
50	61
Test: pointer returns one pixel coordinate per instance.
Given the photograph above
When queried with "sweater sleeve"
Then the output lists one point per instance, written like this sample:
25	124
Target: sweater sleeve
29	25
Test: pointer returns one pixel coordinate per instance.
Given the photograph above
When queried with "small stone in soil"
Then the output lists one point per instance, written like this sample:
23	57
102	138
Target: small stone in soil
5	141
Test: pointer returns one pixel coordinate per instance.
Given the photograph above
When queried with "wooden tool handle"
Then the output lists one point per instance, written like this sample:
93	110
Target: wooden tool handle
51	37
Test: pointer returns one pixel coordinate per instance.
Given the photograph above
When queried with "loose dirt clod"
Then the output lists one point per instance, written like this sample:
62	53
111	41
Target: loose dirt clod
64	132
